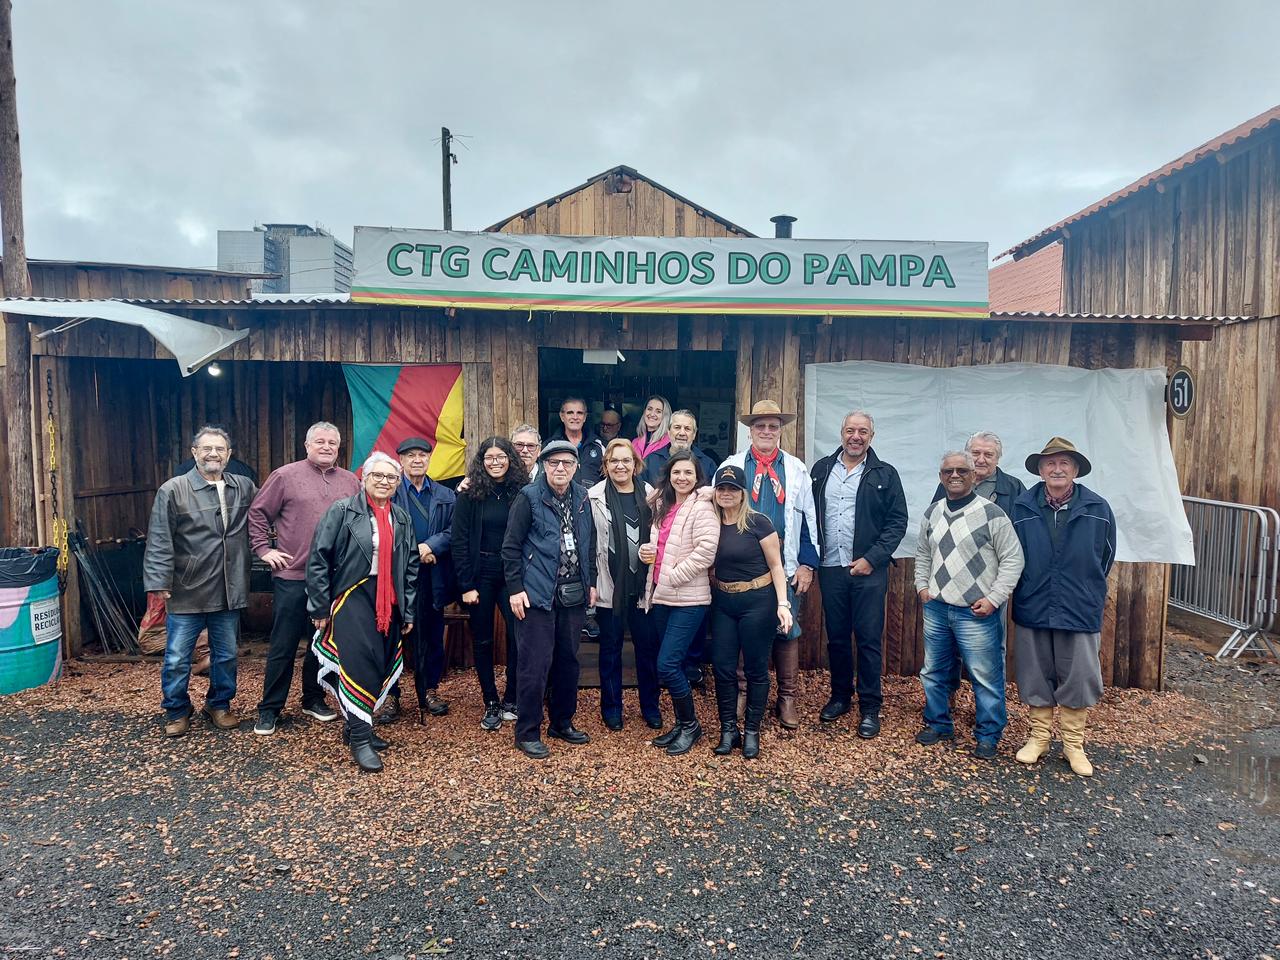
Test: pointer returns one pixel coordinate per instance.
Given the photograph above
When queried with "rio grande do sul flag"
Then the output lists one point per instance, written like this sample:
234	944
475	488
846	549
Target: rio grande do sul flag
390	403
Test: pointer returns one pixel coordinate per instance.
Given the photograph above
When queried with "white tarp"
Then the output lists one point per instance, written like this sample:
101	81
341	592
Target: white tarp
192	343
1115	417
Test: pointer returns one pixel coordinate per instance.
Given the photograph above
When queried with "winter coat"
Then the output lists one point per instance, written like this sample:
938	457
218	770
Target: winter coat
602	520
342	555
203	563
880	516
684	578
1064	585
438	526
531	548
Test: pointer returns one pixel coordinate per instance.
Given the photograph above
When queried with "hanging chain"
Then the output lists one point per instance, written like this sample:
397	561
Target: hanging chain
58	532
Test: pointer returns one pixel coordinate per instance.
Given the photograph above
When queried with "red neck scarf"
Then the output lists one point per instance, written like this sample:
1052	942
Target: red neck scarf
386	545
764	465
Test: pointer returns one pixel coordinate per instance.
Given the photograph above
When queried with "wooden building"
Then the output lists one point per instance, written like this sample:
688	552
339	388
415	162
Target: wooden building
1198	236
125	414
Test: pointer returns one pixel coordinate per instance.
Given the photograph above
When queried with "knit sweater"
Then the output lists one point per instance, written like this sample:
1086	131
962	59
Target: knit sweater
966	554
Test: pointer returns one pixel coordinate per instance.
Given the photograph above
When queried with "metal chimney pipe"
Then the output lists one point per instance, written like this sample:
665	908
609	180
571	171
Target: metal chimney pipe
782	225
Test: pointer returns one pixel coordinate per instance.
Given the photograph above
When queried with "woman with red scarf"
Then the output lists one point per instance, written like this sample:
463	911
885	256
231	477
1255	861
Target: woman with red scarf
362	575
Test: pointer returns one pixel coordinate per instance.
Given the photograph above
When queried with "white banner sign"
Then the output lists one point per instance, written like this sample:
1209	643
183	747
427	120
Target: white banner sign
1115	417
670	274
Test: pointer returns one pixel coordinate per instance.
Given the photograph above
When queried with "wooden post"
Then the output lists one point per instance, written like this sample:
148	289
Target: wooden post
446	176
17	283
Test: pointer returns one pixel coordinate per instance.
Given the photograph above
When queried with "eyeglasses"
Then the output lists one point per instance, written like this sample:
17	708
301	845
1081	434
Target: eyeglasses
205	450
525	446
956	471
561	464
383	477
500	458
624	462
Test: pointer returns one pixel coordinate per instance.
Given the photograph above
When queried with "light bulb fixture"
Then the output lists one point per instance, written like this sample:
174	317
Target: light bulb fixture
214	370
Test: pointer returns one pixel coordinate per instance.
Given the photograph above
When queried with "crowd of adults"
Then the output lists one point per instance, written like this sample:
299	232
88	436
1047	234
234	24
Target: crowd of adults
645	537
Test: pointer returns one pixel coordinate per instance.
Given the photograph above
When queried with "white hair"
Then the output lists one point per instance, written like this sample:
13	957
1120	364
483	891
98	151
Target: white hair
526	428
988	437
860	413
964	455
379	457
321	425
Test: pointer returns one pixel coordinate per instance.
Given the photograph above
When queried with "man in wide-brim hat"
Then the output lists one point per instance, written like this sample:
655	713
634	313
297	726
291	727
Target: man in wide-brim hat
1068	537
779	486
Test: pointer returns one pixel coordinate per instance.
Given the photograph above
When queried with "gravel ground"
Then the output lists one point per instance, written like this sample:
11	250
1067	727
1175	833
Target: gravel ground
117	843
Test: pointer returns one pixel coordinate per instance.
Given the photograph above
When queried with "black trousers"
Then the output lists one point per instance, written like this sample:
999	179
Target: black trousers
853	608
492	587
548	642
743	624
289	625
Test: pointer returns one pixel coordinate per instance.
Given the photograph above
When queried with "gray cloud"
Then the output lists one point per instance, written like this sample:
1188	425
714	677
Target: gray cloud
148	126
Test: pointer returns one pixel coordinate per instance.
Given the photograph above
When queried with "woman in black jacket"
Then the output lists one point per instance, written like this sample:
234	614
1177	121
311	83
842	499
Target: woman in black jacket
479	523
362	577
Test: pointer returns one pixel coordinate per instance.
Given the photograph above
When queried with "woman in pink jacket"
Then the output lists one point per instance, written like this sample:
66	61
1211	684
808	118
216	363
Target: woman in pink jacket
681	550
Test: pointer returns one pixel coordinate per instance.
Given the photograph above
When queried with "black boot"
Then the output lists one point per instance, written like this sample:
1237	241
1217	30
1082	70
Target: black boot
757	697
362	752
726	706
663	740
375	741
688	730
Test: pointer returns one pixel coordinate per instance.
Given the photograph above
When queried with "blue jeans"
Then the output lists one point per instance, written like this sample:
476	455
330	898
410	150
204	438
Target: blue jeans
955	672
675	626
182	630
645	643
951	631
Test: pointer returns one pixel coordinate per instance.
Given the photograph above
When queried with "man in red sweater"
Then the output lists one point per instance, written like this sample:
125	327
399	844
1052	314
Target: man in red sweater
292	501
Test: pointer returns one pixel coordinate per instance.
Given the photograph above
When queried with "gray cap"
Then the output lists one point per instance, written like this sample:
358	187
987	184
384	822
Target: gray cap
558	446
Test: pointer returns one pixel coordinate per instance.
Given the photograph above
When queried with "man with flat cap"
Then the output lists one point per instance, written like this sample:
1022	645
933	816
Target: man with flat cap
430	508
1068	537
549	560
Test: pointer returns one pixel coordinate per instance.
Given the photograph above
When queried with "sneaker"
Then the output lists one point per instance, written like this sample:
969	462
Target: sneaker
507	709
591	627
434	705
492	717
929	736
320	711
266	724
985	750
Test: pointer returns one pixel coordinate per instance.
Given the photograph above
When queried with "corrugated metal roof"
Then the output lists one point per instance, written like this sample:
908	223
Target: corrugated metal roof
1234	135
261	300
1113	317
1032	283
155	268
635	175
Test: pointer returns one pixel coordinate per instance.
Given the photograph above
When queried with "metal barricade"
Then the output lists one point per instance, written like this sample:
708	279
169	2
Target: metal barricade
1235	575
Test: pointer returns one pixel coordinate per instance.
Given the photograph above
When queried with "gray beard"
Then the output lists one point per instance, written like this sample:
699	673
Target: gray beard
210	471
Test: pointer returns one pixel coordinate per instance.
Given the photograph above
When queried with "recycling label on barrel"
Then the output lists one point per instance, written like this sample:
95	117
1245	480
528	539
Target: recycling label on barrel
46	620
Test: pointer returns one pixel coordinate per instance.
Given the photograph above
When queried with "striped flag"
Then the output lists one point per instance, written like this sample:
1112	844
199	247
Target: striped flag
390	403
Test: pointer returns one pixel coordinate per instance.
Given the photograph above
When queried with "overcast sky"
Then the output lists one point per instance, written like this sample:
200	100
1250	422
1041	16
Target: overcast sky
147	126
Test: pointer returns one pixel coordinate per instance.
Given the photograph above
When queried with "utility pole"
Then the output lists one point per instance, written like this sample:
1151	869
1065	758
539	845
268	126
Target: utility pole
446	159
17	283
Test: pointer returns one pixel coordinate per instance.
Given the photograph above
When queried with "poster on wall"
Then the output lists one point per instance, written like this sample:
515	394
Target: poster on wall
1115	417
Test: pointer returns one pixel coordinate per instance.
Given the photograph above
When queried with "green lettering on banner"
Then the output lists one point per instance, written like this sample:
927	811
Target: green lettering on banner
703	269
938	271
910	266
742	268
524	266
635	266
486	263
886	270
682	267
610	267
553	268
781	262
393	259
814	264
843	270
428	251
454	262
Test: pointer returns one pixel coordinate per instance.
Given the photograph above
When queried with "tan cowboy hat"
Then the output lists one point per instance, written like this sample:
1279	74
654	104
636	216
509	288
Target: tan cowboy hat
766	408
1059	445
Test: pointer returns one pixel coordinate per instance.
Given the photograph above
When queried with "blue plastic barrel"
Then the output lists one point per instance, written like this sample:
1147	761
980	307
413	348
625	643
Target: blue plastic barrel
30	618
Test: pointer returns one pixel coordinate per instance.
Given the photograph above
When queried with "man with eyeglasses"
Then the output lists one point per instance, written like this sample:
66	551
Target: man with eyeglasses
968	561
610	425
862	518
430	508
197	560
528	443
291	503
549	560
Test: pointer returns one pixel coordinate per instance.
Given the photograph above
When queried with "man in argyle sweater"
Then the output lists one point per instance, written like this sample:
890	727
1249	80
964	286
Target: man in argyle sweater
968	560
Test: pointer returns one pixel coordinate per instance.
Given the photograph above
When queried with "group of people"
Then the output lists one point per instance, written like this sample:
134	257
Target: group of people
647	537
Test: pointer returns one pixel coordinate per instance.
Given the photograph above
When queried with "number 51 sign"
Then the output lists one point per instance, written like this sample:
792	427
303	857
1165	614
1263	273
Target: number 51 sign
1181	392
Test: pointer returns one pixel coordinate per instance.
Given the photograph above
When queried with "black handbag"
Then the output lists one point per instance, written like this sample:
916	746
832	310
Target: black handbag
571	594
